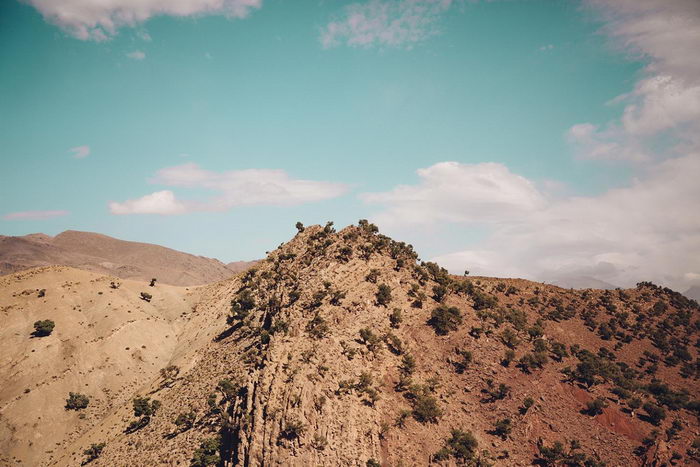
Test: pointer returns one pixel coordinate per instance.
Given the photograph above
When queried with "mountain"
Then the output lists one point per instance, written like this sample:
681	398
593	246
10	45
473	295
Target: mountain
693	293
107	255
340	349
581	282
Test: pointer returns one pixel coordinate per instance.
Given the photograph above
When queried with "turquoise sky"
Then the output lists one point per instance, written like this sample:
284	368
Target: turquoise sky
500	82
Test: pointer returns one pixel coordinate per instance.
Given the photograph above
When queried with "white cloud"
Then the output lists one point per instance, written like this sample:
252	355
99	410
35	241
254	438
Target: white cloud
34	215
80	152
454	192
233	188
160	202
646	231
100	20
547	47
136	55
662	114
398	23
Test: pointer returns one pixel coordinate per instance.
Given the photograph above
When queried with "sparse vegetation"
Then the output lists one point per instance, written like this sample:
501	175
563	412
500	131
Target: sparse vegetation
93	452
77	401
207	453
445	319
43	328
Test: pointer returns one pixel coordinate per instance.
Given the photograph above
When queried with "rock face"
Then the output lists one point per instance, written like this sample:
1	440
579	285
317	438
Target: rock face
340	349
107	255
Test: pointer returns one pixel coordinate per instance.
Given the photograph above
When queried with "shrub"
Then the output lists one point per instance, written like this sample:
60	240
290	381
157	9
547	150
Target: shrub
143	406
43	328
93	452
408	364
185	420
207	453
510	339
317	327
426	409
395	318
508	357
439	293
462	445
527	403
153	282
372	276
466	360
383	295
293	429
228	388
373	463
503	427
445	319
300	227
655	413
596	406
371	340
77	401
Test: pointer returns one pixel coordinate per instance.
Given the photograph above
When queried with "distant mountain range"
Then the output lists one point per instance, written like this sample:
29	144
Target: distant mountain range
107	255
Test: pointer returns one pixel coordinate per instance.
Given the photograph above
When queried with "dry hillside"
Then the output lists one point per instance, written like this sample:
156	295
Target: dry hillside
107	255
341	349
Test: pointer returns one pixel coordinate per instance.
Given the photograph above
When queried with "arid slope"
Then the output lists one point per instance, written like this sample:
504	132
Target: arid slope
341	350
106	344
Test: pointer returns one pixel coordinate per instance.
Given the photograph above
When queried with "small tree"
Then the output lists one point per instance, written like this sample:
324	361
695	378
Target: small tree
185	420
395	318
445	319
76	401
93	452
300	227
208	453
153	282
596	406
655	413
146	297
43	328
383	295
527	403
426	409
503	427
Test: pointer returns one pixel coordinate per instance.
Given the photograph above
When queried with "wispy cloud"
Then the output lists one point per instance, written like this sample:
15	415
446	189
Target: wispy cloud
80	152
34	215
91	20
136	55
397	23
233	188
661	117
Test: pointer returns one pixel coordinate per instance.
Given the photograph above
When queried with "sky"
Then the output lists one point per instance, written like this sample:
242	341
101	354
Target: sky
533	139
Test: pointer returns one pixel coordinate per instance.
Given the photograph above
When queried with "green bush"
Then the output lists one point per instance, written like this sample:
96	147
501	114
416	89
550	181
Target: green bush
395	318
655	413
596	406
77	401
461	445
143	406
383	295
185	420
503	427
208	453
43	328
445	319
93	452
426	409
